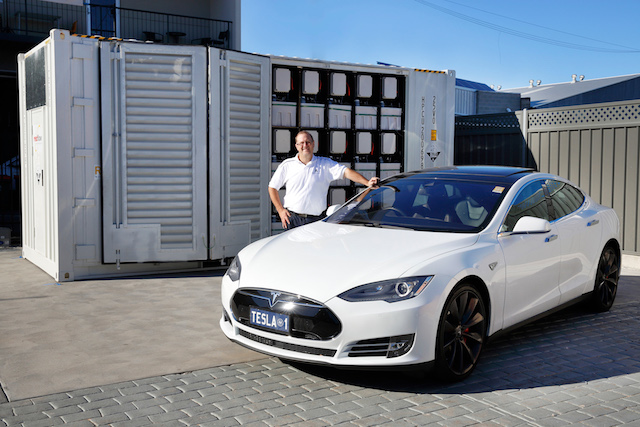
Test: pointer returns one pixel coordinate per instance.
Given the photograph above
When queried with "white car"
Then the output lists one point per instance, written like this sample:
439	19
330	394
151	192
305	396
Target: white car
422	270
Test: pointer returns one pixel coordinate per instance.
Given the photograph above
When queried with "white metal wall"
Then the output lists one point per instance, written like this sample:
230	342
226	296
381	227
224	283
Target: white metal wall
61	160
154	152
239	150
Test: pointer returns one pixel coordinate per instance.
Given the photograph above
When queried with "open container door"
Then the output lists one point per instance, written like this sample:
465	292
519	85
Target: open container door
239	138
154	152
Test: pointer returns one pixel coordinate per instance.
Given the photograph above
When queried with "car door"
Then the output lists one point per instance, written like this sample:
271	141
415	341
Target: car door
532	260
579	235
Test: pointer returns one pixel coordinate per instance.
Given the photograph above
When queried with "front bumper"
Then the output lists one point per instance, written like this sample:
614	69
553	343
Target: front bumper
370	333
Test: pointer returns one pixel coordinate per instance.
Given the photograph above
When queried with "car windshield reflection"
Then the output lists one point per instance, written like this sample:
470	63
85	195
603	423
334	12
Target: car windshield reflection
424	204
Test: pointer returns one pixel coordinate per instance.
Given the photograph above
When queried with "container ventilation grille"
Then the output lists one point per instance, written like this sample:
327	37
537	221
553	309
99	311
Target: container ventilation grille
245	188
159	153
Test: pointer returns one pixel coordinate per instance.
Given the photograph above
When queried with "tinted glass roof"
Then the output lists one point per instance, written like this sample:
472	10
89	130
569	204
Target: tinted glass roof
504	174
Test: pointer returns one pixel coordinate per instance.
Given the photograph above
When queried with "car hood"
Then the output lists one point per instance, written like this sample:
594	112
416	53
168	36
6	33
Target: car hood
322	260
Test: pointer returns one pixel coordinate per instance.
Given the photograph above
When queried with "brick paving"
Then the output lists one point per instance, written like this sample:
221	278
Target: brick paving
572	368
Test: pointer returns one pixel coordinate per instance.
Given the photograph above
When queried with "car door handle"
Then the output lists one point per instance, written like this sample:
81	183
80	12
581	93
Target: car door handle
593	222
551	238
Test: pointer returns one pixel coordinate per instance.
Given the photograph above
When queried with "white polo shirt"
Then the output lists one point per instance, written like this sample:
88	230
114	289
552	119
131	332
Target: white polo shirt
307	185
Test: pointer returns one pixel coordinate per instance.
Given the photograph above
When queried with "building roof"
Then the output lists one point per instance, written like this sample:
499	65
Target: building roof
472	85
580	91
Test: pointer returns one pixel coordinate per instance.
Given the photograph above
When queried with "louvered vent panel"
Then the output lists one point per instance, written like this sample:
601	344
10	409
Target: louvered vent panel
159	145
244	144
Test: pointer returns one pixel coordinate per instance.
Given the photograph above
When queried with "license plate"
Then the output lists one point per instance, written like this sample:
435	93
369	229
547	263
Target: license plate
268	319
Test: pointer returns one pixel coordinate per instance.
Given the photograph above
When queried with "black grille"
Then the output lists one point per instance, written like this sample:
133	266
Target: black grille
309	319
286	346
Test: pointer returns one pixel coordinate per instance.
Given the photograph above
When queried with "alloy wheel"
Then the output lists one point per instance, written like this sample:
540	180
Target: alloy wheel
607	275
461	334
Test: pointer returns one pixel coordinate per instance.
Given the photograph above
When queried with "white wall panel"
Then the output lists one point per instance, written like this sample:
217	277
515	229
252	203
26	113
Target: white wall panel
239	150
154	153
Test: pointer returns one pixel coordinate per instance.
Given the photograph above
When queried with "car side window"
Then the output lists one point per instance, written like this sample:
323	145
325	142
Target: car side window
565	198
530	201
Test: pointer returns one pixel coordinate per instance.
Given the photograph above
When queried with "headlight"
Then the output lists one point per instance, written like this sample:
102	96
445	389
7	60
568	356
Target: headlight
234	270
388	290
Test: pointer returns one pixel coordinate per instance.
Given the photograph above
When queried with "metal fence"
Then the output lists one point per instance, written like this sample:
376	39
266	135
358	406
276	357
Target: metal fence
34	18
596	146
159	27
492	139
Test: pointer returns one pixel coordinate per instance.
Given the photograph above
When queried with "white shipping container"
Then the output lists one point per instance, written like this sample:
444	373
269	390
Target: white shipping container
142	158
114	148
430	119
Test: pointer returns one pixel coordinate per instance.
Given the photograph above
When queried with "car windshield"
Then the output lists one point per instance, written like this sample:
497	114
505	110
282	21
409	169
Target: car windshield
424	204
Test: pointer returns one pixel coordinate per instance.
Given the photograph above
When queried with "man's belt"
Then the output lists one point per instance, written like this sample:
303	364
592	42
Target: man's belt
304	215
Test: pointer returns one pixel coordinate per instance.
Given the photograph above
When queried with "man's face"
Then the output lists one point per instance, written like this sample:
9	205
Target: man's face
304	144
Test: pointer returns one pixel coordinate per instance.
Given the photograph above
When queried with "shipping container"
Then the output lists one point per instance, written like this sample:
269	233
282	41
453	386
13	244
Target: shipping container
143	158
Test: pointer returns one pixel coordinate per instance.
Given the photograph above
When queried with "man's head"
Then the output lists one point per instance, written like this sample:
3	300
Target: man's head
304	143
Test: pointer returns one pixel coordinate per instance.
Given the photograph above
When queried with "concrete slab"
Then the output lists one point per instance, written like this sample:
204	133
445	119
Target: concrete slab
59	337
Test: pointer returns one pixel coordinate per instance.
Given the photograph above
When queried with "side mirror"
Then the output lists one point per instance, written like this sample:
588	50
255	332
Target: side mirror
331	209
531	225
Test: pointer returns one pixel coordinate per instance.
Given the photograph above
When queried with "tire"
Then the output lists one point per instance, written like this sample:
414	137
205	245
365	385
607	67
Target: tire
606	285
461	334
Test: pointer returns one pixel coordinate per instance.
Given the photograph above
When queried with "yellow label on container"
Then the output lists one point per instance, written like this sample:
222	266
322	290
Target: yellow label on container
433	135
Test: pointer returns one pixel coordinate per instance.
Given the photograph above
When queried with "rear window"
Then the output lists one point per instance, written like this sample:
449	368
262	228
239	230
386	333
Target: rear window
565	198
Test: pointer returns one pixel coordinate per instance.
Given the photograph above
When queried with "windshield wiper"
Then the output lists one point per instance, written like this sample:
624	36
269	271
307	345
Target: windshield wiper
376	225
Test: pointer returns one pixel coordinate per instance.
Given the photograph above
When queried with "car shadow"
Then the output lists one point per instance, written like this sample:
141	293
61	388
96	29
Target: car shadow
572	346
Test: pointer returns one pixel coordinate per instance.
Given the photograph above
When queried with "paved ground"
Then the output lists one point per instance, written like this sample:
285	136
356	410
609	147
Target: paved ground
573	368
81	334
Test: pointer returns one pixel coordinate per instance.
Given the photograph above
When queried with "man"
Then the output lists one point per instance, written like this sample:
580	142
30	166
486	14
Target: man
307	178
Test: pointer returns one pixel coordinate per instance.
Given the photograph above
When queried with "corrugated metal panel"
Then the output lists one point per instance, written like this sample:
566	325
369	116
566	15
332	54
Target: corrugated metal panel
245	189
492	139
159	147
158	181
465	101
596	146
239	150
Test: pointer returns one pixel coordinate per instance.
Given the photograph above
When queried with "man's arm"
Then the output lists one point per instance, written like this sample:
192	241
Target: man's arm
282	212
356	177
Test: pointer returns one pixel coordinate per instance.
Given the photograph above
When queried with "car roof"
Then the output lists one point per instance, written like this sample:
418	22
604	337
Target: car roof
496	174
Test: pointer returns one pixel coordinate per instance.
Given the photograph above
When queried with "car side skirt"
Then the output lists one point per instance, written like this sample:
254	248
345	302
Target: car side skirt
506	331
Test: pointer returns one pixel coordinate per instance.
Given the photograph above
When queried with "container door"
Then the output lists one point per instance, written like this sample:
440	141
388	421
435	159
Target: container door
154	110
239	150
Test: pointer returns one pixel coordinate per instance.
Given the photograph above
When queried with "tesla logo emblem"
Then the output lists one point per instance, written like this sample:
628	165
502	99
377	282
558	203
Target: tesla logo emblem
274	298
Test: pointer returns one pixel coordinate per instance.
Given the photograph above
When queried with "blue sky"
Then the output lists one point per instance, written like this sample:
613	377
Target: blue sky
496	42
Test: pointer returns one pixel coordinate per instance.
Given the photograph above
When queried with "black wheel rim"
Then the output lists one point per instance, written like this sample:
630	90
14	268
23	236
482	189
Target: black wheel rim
463	333
608	274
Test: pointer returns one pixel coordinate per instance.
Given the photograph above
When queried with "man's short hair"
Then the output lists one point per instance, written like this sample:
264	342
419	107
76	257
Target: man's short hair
308	134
